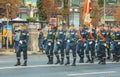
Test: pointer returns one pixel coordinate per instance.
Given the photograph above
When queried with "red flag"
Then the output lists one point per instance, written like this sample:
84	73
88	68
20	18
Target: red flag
86	13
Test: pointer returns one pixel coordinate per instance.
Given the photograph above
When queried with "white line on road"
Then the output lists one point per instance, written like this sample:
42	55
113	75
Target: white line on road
91	73
54	65
6	61
33	66
97	63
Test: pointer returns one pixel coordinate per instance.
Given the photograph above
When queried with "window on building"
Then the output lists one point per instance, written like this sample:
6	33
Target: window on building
112	1
22	6
23	15
75	3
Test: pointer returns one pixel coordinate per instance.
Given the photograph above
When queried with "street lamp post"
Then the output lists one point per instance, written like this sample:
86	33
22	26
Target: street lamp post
7	12
73	11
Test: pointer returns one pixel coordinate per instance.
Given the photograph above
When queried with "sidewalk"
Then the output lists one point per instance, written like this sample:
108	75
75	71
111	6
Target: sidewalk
10	52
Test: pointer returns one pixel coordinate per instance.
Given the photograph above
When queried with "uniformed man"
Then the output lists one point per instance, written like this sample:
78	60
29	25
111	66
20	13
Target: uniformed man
50	36
40	39
108	40
71	44
81	43
65	40
112	44
116	43
22	46
60	37
90	44
16	40
101	46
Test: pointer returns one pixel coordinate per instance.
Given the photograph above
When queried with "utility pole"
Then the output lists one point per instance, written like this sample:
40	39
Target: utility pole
104	11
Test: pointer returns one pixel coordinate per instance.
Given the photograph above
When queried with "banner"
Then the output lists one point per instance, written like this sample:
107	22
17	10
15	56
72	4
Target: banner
86	12
7	33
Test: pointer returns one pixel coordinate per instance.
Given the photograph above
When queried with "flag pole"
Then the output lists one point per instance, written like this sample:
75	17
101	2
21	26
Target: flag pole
104	11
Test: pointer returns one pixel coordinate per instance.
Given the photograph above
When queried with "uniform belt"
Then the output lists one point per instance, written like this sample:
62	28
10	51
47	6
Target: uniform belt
90	39
102	40
22	40
50	40
59	40
81	40
117	40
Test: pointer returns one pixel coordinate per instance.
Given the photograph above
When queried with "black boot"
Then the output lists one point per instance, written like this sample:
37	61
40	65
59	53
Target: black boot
114	58
100	60
51	60
25	63
68	61
62	61
58	60
74	62
92	60
18	62
48	60
109	54
103	61
108	57
41	49
117	59
88	60
81	60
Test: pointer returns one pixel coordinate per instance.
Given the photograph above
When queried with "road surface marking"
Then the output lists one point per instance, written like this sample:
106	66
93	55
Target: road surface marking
53	65
97	63
32	66
6	61
91	73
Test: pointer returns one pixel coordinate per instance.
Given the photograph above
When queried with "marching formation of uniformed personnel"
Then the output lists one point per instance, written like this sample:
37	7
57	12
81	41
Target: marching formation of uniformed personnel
103	42
22	46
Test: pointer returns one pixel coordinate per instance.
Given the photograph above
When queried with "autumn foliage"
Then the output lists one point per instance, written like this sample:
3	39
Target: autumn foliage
11	5
47	9
117	15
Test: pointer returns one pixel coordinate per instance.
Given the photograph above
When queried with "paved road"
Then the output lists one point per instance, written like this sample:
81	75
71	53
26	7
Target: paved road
37	67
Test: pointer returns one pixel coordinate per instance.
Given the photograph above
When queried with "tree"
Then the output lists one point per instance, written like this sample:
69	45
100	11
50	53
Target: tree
46	9
117	15
11	5
65	9
95	13
101	3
